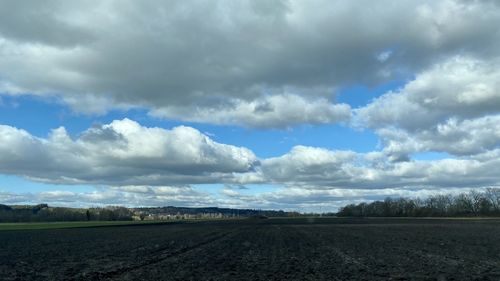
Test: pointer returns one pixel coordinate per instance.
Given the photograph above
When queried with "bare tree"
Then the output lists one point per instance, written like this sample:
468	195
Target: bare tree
493	196
472	203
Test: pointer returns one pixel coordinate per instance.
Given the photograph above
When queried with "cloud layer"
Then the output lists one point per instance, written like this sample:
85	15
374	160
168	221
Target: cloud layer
124	153
292	199
125	196
243	60
260	65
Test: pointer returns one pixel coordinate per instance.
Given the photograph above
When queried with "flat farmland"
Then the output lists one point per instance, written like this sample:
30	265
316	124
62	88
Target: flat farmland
265	249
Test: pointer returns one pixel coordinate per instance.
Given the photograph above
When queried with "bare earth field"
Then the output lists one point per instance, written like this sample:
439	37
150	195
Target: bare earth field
266	249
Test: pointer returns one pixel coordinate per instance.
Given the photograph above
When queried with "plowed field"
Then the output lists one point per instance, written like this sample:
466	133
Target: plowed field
266	249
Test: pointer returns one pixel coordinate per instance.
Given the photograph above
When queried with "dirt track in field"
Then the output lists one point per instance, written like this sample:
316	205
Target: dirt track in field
272	249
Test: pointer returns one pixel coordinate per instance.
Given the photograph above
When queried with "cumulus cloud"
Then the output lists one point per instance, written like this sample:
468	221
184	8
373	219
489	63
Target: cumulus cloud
460	88
134	164
467	137
323	169
186	60
308	164
122	153
452	107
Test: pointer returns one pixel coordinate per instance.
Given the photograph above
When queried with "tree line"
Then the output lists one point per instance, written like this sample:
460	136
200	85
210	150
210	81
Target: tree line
467	204
44	213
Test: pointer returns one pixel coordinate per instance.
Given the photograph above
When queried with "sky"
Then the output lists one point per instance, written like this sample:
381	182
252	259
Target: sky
291	105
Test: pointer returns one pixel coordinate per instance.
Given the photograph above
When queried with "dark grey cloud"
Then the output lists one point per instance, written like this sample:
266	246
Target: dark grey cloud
48	22
184	59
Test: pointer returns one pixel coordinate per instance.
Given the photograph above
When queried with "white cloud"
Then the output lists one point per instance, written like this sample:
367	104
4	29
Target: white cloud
308	164
288	198
466	137
306	179
460	88
122	152
452	107
132	196
321	169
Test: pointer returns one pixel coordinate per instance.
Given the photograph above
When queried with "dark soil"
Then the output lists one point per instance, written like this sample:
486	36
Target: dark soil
270	249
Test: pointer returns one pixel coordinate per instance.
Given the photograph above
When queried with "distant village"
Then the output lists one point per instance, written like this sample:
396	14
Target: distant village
141	216
183	213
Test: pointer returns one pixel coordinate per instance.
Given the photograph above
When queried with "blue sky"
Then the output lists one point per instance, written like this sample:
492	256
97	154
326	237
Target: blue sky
246	104
39	117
